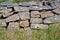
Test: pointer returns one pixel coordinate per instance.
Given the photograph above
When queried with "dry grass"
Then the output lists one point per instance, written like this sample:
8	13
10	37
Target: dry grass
52	33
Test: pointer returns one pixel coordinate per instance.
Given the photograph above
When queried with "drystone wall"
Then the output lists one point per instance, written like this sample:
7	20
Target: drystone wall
33	16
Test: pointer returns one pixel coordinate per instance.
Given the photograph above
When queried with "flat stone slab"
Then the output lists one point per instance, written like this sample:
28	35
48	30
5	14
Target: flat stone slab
57	11
13	26
46	14
53	19
24	23
24	15
35	20
21	8
6	10
7	14
35	12
14	17
39	26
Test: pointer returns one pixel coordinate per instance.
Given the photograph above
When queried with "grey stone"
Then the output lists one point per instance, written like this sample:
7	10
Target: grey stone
57	11
46	14
35	15
35	12
24	15
53	19
7	14
13	26
36	20
24	4
57	4
39	26
40	3
14	17
21	8
24	23
6	3
47	7
35	8
3	8
33	3
0	15
2	22
6	11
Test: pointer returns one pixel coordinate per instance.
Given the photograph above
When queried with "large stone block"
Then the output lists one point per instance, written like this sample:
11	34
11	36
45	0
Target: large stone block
36	20
0	15
24	23
2	22
3	8
57	11
21	8
6	10
39	26
35	15
7	14
24	15
36	8
14	17
46	14
13	26
35	12
53	19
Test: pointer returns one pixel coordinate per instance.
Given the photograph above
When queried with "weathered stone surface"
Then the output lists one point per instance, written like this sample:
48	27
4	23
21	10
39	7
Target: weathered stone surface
14	17
24	23
47	8
24	4
35	12
7	14
2	22
36	20
57	11
46	14
21	8
40	3
39	26
3	8
0	15
35	8
13	26
32	3
35	15
24	15
6	10
53	19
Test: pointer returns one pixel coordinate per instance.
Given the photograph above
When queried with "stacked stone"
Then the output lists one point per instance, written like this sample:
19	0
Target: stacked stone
32	15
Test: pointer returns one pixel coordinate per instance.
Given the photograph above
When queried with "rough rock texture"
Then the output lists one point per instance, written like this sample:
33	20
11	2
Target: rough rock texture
24	15
7	14
17	8
14	17
53	19
35	12
39	26
2	23
57	11
24	23
36	15
46	14
13	26
0	15
36	20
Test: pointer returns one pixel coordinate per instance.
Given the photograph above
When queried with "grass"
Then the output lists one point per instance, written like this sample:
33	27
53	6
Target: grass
17	1
52	33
